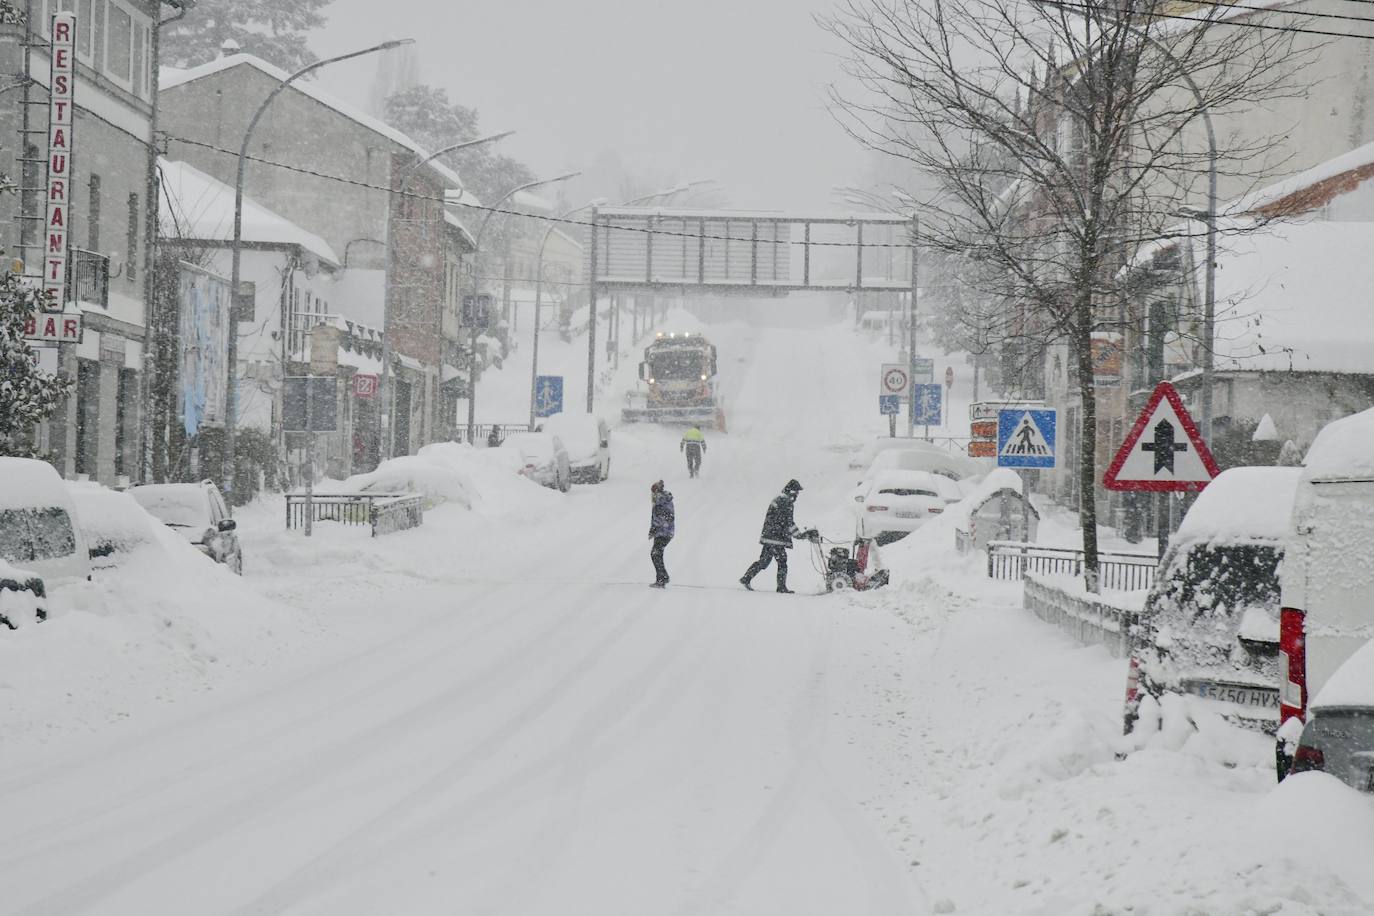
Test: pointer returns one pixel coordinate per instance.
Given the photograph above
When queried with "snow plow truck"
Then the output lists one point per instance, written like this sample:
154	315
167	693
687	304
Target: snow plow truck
680	372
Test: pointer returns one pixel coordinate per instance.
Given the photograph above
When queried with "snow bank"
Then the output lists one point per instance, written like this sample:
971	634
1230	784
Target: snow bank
1242	504
163	622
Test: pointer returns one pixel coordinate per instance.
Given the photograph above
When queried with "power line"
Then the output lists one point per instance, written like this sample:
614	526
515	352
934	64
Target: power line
1234	23
1218	4
548	219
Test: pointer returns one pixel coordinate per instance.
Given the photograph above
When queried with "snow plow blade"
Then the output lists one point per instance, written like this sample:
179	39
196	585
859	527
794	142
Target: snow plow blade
712	417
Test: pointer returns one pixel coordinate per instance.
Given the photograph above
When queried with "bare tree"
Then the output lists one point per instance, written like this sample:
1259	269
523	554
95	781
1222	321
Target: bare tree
1062	137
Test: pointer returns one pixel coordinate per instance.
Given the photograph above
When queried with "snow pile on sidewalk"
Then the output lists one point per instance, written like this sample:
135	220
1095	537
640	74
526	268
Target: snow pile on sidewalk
163	621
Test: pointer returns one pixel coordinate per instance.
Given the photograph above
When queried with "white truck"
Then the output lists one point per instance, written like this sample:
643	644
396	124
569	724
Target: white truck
1327	578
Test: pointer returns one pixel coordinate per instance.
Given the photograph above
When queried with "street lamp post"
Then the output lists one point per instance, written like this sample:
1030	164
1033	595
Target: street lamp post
384	443
472	335
538	291
236	254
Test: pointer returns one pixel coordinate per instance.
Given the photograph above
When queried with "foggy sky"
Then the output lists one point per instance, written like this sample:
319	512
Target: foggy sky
732	90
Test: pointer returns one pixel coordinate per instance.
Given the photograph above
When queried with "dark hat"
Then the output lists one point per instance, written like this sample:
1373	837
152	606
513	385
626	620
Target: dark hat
792	487
656	486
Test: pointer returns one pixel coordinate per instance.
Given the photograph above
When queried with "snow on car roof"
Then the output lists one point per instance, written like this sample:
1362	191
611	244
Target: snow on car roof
1352	684
1242	504
26	483
1342	448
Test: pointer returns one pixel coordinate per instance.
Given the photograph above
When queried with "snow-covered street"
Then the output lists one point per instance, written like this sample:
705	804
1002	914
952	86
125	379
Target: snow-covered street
493	714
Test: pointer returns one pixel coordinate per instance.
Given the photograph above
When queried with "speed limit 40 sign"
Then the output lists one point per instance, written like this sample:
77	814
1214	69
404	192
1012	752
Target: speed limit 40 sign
895	379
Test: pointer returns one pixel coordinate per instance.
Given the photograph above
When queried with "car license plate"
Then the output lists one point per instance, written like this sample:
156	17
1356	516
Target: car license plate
906	513
1241	695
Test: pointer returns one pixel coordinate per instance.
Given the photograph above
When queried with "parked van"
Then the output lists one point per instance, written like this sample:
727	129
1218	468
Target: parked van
38	531
1328	573
1209	631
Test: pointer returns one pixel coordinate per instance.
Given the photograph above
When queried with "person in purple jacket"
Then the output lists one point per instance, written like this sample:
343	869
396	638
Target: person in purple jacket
661	529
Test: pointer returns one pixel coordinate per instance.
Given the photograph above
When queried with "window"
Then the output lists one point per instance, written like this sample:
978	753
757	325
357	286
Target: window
140	62
126	391
119	44
131	255
35	534
87	423
93	219
85	32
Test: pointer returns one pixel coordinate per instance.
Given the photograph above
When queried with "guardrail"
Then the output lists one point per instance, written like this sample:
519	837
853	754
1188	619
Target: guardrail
1125	572
482	431
384	514
1094	620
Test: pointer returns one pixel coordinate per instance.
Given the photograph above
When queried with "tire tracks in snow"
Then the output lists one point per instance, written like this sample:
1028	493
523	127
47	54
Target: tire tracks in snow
287	780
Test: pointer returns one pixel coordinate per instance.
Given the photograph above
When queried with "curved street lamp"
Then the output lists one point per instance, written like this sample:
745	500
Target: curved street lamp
236	253
384	443
472	335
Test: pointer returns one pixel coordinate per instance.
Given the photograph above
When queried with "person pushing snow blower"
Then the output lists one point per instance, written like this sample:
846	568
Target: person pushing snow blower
694	444
778	531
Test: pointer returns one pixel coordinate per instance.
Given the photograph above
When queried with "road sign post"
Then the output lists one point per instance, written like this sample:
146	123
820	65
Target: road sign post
889	405
548	395
310	405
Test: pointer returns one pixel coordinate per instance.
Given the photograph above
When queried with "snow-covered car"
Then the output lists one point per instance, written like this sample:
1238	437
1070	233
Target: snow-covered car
1328	576
38	530
430	475
197	512
588	441
1209	630
1339	735
113	523
896	503
22	596
917	455
543	459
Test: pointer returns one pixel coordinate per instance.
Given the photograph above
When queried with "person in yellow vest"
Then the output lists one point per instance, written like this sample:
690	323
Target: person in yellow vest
694	444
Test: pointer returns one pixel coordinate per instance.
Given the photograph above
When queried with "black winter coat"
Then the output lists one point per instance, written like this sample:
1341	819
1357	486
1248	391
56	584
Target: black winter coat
778	526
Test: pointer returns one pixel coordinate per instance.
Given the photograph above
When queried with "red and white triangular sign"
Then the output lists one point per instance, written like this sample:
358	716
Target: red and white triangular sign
1163	451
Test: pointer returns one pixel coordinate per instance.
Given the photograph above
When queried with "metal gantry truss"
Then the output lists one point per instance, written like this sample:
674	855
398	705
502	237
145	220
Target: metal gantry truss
737	252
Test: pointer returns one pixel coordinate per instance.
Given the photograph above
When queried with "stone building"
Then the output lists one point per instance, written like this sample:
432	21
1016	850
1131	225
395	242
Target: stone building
96	433
330	169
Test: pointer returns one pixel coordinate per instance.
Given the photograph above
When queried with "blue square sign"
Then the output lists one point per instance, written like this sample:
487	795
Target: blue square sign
889	404
548	395
926	404
1027	438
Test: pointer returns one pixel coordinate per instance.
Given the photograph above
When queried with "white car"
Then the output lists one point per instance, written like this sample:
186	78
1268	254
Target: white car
588	441
38	530
1339	735
197	512
896	503
545	460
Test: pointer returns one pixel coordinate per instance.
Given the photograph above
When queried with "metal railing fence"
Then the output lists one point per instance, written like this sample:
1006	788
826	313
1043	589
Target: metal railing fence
1012	560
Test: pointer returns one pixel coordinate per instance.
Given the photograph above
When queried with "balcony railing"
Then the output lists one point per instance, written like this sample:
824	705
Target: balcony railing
90	277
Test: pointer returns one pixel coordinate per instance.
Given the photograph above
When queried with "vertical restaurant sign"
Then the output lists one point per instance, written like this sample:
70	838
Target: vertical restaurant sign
60	120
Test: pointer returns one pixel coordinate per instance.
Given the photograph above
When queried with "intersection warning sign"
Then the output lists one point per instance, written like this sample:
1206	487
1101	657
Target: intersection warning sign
1163	451
1026	438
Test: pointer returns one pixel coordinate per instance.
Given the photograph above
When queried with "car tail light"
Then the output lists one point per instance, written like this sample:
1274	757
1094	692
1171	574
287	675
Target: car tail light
877	508
1307	758
1292	665
935	511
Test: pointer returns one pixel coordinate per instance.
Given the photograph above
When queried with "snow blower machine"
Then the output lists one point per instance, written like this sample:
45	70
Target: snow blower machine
855	566
680	372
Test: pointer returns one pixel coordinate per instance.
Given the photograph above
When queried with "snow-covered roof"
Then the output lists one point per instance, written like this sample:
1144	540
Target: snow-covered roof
1242	504
1352	161
526	200
1295	296
197	206
456	223
170	78
1342	448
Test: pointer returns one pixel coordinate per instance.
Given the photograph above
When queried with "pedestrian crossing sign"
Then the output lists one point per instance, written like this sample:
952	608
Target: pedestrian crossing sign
1027	438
